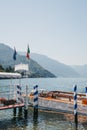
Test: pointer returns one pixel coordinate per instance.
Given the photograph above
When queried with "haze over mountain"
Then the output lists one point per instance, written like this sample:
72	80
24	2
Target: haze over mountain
38	62
6	59
81	69
60	69
57	68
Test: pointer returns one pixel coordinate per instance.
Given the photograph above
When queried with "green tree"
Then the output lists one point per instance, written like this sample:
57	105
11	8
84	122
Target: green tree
1	68
9	69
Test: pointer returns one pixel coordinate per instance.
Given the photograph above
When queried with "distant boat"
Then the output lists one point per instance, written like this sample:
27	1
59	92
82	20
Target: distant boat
5	75
60	101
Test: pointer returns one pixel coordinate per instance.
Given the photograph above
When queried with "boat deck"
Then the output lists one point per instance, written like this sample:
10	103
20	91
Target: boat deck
60	96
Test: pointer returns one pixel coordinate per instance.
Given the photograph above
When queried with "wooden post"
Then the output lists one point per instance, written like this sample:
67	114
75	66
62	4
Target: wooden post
36	100
20	112
75	106
86	92
10	88
19	94
15	92
26	102
14	111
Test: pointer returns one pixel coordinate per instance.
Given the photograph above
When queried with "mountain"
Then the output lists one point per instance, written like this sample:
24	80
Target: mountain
81	69
6	60
41	65
55	67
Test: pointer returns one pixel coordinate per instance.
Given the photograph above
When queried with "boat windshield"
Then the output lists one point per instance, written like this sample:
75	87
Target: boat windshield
42	91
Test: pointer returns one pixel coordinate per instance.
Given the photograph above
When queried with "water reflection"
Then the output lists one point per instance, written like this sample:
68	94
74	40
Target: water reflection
44	120
35	120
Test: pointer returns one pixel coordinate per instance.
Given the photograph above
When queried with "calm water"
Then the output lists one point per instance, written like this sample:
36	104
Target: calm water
45	120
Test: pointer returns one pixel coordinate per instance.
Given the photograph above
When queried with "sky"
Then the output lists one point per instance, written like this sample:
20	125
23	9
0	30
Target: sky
55	28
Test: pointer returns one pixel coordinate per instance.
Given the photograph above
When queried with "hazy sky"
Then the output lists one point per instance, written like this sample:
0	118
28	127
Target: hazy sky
56	28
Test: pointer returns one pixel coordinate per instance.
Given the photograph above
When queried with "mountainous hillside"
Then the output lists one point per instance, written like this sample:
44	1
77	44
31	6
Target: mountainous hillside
6	59
81	69
57	68
60	69
54	66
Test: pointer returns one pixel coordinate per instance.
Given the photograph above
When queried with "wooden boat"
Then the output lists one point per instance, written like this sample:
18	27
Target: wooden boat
60	101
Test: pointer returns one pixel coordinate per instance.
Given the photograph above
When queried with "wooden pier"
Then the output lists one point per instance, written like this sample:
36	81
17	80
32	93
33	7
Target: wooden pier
13	99
12	106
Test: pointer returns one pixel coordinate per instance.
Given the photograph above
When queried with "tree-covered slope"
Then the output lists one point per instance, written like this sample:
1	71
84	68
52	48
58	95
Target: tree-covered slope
6	60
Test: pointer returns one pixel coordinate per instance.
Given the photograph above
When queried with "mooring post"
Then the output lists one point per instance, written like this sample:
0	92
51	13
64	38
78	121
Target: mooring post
10	88
19	94
75	106
19	97
36	100
14	111
26	102
86	92
20	110
14	92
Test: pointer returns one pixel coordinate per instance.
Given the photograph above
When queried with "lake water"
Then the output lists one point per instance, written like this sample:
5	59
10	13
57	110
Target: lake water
45	120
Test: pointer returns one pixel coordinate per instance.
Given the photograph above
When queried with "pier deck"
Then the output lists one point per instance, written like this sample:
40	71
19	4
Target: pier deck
11	106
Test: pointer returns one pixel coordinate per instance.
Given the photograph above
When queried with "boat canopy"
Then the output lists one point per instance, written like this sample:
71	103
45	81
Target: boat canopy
9	75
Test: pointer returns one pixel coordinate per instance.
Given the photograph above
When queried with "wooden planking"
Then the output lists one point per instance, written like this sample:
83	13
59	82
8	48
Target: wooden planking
11	106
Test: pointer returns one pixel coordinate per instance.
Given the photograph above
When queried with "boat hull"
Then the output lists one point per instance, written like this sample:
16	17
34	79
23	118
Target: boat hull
59	105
